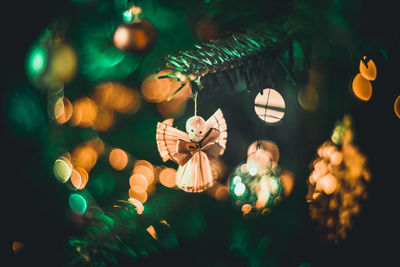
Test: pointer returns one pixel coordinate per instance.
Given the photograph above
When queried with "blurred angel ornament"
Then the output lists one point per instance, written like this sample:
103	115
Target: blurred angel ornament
194	149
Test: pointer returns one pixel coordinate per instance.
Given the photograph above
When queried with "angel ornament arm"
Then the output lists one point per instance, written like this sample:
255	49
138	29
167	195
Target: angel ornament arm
193	150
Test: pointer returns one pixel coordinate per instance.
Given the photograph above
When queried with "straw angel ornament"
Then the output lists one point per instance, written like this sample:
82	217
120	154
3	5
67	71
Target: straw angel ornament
193	150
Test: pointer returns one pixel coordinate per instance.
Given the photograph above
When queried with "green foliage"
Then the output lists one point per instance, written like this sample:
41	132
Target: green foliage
25	112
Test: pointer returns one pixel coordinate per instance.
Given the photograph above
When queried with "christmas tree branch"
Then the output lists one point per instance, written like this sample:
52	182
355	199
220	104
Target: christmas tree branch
223	63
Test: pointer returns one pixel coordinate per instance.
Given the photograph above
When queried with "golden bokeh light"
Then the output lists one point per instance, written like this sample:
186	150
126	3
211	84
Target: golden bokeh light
397	106
152	231
138	183
337	185
156	90
165	223
137	204
128	100
144	163
183	93
117	97
246	208
17	246
64	63
84	156
369	72
76	178
79	178
263	151
221	193
328	183
177	104
66	113
336	158
85	112
141	196
321	167
167	177
258	161
104	119
362	88
287	181
161	90
316	195
145	171
118	159
84	177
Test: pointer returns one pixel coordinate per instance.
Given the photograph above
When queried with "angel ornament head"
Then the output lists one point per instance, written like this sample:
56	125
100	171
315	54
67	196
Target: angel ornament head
194	149
196	128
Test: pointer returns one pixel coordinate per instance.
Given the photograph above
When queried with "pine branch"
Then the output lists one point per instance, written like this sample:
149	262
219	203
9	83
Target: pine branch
223	63
107	238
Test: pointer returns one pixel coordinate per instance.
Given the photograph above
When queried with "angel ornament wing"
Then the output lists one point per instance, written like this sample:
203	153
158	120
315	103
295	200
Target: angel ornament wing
193	150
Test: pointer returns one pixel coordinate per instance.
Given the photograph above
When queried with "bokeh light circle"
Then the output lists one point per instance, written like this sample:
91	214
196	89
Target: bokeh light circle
67	111
62	169
397	106
154	89
141	196
77	203
168	177
269	106
369	72
308	98
145	171
138	183
118	159
362	88
263	151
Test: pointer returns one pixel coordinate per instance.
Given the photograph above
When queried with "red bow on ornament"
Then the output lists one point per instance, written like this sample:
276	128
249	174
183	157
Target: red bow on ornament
185	149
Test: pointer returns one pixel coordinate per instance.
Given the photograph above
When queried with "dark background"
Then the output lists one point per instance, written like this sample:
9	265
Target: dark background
31	212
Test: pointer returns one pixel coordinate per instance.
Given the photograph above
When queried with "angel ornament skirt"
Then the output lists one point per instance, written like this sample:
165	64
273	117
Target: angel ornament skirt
195	175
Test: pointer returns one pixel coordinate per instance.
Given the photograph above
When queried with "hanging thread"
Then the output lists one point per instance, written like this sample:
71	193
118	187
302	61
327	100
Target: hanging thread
195	102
